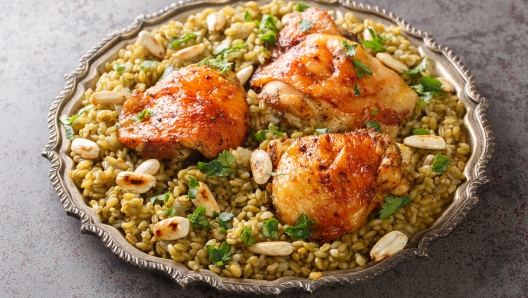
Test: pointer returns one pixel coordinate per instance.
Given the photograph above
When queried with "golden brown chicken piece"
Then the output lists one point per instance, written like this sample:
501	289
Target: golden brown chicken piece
316	79
337	180
194	107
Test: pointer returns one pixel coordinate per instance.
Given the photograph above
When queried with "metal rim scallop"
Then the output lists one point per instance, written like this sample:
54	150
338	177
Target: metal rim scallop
477	127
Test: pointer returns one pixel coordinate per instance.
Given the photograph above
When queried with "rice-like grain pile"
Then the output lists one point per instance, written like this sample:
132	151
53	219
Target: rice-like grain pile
238	194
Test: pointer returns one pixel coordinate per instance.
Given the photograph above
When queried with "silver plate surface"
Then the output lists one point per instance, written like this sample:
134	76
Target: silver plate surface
477	129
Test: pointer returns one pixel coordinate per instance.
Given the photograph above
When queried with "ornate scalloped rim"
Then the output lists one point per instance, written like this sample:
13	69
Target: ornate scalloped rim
87	225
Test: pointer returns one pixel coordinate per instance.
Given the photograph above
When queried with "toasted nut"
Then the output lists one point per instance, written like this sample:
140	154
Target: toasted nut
392	63
136	183
274	151
287	18
366	32
172	228
189	52
152	44
215	21
261	166
244	74
388	245
107	97
425	142
85	148
272	248
149	167
205	198
446	85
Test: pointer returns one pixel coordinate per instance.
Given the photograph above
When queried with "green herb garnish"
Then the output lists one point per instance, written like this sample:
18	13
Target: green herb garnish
361	68
374	124
164	197
420	68
440	163
428	88
270	228
67	121
220	255
148	65
269	37
357	92
220	167
193	187
222	65
227	50
301	229
322	131
261	134
166	71
392	205
171	212
246	237
247	16
198	218
376	42
350	50
185	38
421	131
268	30
305	25
143	114
222	220
301	7
119	68
374	111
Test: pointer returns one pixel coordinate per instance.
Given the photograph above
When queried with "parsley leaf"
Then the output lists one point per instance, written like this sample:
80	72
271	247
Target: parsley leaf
193	187
440	163
350	50
268	30
361	68
222	220
392	205
421	131
143	114
374	111
222	65
247	16
376	42
270	228
261	135
185	38
246	237
171	212
220	255
226	158
198	219
322	131
220	167
357	92
148	65
67	121
166	72
305	25
119	68
301	7
374	124
420	68
165	197
270	38
428	87
301	229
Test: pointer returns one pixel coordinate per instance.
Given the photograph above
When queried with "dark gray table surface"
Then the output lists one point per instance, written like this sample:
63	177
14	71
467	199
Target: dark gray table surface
43	253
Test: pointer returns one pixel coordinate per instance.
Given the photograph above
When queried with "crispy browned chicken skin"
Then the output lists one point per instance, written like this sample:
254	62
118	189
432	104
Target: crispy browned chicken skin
314	78
337	180
194	107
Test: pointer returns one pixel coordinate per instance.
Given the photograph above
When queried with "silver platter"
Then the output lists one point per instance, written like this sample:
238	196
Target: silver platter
477	129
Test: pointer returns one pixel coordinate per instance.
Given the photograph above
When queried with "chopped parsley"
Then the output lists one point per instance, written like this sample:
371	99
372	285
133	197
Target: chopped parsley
221	255
428	88
421	131
300	7
149	65
270	228
301	229
222	220
185	38
247	16
376	42
268	30
164	197
305	25
420	68
350	50
392	205
357	92
166	72
222	65
246	237
198	218
269	37
440	163
145	113
220	167
261	134
374	111
193	187
171	212
361	68
322	131
374	124
119	68
224	49
67	121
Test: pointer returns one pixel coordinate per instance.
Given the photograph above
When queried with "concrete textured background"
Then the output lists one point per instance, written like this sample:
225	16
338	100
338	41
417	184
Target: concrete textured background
44	254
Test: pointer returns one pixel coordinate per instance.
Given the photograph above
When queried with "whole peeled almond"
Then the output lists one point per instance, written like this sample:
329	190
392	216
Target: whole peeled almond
172	228
388	245
87	149
136	183
149	166
261	166
272	248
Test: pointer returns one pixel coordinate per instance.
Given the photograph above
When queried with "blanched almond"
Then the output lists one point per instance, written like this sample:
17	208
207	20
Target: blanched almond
244	74
272	248
261	166
136	183
215	21
152	45
392	63
388	245
87	149
274	151
150	167
205	198
172	228
425	142
446	85
189	52
107	97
